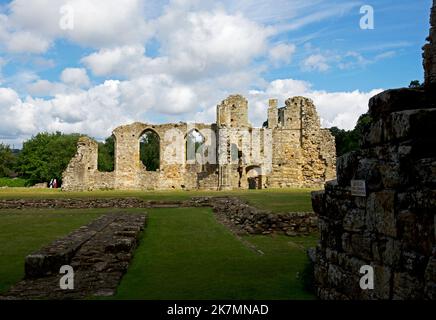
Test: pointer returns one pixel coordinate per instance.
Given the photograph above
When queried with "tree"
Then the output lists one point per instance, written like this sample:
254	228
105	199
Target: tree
106	155
150	150
347	141
7	161
415	84
46	156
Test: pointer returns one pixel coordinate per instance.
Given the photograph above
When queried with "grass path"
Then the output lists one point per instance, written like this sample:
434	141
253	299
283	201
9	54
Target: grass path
186	254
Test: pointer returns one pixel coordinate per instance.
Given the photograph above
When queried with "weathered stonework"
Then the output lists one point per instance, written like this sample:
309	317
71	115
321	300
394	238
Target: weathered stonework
430	51
246	219
393	227
293	151
99	254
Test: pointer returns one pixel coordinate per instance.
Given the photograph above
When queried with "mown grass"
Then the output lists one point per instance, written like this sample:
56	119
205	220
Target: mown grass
22	232
13	182
276	200
184	254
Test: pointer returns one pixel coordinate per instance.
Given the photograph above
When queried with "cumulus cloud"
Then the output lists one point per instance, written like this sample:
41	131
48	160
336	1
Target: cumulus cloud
204	52
315	62
75	77
97	23
282	53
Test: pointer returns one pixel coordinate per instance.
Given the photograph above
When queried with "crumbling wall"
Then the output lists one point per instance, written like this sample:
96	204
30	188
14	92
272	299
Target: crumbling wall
294	151
304	155
391	225
82	172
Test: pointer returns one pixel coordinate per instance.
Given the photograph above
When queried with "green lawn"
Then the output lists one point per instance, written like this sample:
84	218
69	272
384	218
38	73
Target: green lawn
277	200
184	254
22	232
13	183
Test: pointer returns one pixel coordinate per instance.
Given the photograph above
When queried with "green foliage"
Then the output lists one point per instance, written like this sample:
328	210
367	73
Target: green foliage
12	182
7	161
150	150
347	141
106	155
45	156
415	84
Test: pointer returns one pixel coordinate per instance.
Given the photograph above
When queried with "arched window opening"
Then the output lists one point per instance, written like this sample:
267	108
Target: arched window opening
149	150
194	144
106	155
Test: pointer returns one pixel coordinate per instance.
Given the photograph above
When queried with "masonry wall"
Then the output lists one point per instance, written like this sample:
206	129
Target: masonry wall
293	151
393	227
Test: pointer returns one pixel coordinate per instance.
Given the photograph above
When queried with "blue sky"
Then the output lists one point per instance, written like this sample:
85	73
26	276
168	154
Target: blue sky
170	61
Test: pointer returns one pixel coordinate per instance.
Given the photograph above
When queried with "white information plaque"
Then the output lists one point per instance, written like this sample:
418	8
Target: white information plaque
358	188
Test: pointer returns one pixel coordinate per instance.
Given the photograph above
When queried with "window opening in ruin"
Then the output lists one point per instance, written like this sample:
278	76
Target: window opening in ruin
194	144
149	150
106	155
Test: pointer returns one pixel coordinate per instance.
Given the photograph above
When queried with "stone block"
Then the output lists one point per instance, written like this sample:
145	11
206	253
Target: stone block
382	282
410	124
387	251
397	100
318	202
380	215
368	170
346	167
407	287
354	220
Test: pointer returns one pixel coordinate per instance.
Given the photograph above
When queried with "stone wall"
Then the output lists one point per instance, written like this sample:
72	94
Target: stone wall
430	51
303	153
293	151
99	254
247	219
392	225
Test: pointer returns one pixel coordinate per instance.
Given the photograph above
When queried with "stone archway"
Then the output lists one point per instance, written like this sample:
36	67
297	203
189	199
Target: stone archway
254	177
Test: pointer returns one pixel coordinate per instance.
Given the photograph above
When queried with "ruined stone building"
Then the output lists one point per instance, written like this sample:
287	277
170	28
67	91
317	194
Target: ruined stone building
291	151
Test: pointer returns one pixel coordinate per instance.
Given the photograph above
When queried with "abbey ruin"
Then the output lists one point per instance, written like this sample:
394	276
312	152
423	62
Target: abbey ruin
290	151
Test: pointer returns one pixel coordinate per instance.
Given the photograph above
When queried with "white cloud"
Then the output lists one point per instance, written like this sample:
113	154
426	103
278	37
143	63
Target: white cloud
205	43
315	62
26	42
282	53
75	77
97	23
341	109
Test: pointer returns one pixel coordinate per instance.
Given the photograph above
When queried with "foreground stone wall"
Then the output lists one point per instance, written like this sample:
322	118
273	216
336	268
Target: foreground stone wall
392	226
99	254
430	52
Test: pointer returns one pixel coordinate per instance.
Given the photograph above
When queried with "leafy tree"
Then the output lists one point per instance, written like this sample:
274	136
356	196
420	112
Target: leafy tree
46	156
150	150
415	84
347	141
7	161
106	155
